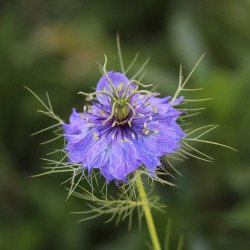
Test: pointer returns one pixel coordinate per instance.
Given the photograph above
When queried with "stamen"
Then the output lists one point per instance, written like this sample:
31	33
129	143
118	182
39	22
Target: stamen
148	96
89	108
113	124
103	113
156	110
133	135
90	125
146	131
120	86
145	125
95	136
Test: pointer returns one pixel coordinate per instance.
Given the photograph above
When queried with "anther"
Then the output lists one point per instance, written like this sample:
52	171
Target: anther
102	112
145	131
90	125
95	136
133	135
120	86
156	110
89	108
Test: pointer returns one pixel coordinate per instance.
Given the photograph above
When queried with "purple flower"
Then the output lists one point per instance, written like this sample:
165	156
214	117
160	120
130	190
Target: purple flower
122	128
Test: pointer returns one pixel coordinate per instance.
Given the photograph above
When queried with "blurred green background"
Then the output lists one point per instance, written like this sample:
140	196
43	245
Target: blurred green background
54	46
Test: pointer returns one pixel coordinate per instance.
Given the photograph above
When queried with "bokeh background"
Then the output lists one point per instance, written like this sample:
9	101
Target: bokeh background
54	46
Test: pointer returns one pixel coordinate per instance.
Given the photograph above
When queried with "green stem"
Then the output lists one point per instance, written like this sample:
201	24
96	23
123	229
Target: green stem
148	214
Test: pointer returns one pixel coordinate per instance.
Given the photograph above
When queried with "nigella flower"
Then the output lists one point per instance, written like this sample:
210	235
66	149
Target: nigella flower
123	128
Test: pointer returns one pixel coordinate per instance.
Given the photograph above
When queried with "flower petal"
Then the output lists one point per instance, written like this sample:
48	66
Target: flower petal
116	78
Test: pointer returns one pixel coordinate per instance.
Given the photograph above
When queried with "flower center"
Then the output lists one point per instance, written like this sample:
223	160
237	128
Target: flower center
120	98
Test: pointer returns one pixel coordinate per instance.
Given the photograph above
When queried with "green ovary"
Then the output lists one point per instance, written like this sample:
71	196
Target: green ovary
121	112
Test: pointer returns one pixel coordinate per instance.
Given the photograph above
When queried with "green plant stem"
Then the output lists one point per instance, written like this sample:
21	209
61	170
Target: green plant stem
148	214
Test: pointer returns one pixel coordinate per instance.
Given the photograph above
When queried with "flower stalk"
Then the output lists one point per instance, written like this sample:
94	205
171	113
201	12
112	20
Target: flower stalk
148	214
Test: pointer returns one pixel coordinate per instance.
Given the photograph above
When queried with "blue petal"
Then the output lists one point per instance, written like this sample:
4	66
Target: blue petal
121	159
116	78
